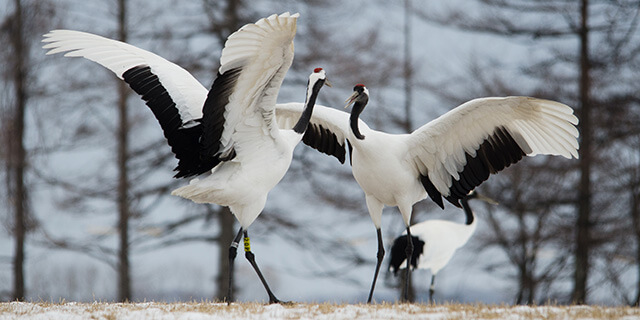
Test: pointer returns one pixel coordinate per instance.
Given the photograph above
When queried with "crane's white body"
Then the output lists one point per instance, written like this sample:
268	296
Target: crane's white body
263	151
382	175
242	186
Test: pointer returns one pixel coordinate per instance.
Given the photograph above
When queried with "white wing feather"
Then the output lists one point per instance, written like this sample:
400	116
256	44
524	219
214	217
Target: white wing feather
538	126
264	51
187	93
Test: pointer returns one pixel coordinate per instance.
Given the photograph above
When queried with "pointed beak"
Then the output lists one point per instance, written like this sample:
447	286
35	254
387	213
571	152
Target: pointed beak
327	83
351	99
486	199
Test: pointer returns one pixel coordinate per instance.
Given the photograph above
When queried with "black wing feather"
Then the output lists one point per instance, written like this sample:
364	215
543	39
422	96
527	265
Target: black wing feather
213	115
184	142
323	140
498	151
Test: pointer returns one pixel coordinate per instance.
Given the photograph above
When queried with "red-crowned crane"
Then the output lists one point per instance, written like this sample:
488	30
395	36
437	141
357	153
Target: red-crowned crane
227	138
435	241
448	156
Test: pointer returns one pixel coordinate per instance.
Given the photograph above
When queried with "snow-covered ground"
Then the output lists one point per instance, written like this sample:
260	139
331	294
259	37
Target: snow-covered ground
213	311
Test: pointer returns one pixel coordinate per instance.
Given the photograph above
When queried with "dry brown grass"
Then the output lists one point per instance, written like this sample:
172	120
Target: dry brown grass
211	310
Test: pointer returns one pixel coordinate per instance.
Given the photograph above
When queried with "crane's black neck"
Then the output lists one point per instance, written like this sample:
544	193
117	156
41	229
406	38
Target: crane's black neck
305	117
358	106
467	210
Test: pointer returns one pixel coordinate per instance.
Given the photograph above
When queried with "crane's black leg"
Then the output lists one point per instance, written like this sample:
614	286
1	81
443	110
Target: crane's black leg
409	251
380	257
252	259
432	288
233	252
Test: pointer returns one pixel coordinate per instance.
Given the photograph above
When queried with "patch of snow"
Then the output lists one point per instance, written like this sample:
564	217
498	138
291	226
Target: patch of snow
215	311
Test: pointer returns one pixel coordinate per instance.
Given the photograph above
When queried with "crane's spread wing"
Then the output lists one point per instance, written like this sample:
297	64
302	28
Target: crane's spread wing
458	151
238	114
326	132
119	57
174	96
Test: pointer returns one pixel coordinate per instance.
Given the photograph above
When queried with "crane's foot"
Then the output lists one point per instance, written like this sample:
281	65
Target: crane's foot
273	300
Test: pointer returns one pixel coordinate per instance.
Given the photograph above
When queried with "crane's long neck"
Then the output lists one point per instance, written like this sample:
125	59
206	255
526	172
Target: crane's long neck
467	211
355	115
305	117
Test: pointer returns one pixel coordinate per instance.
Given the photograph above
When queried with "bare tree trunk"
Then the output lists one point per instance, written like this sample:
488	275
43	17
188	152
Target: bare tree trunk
227	233
124	276
530	283
522	242
522	284
636	228
407	73
18	155
579	294
635	218
524	258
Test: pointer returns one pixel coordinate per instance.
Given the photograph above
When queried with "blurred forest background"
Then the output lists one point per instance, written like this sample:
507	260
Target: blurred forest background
86	173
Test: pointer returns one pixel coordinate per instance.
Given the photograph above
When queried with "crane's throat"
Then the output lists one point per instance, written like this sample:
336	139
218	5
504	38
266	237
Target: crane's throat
353	119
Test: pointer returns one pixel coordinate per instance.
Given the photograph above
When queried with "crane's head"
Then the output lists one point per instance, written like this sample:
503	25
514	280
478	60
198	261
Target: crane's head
360	96
317	79
318	76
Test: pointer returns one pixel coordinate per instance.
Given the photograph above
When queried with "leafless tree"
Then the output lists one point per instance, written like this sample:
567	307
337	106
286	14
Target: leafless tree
126	188
522	227
124	274
23	20
584	78
16	162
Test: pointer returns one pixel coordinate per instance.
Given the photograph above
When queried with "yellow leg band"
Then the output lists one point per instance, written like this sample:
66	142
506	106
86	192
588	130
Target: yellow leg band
247	244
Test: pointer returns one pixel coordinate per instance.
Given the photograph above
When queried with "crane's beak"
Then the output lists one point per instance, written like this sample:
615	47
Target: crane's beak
327	83
351	99
486	199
